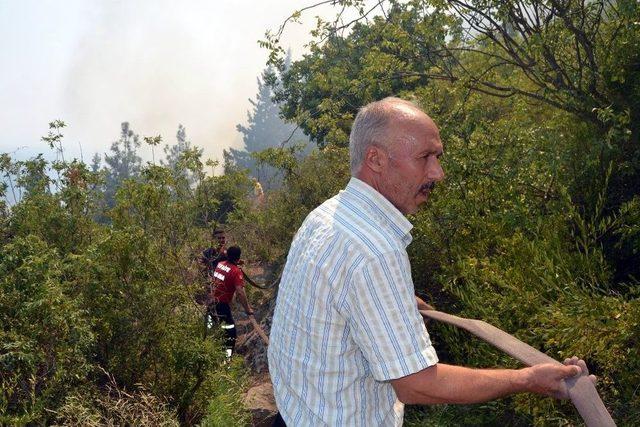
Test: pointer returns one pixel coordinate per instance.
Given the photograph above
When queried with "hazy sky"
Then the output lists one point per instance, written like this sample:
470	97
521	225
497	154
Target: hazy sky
154	63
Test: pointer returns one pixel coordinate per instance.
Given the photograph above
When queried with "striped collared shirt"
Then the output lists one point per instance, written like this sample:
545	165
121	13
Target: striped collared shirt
346	320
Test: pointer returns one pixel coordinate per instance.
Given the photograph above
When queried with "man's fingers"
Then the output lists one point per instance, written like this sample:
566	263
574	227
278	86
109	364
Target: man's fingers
579	363
583	367
572	360
571	371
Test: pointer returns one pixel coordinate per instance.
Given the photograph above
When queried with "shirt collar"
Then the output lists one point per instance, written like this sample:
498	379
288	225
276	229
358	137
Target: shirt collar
375	202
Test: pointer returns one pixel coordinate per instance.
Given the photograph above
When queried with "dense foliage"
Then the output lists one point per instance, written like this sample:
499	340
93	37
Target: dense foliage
99	324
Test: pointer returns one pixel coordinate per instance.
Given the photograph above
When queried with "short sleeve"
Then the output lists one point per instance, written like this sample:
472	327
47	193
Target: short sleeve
238	280
382	313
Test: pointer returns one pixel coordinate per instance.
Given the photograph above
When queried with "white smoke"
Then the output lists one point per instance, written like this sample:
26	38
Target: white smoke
158	64
153	63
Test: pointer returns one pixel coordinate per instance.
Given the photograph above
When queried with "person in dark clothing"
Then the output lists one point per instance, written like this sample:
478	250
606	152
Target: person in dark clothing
228	280
215	253
208	262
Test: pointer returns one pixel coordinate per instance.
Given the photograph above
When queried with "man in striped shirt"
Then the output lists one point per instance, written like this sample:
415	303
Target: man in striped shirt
348	345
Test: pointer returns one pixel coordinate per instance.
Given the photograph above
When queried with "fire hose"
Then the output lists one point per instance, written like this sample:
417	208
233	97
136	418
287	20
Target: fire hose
582	392
252	319
254	284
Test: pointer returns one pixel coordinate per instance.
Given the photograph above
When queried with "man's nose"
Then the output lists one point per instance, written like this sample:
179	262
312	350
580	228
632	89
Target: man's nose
435	171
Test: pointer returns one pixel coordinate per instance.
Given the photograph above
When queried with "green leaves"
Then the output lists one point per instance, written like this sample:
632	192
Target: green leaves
385	57
46	339
79	298
54	137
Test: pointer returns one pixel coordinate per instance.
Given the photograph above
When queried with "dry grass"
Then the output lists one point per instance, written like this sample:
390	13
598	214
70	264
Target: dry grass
116	407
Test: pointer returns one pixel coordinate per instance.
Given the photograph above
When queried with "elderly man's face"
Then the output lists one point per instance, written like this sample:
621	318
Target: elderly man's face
413	166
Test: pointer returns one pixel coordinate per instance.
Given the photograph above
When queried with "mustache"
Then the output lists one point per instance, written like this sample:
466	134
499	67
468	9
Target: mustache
428	186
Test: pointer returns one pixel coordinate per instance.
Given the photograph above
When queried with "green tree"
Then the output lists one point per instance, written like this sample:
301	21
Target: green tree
180	152
265	129
573	55
123	163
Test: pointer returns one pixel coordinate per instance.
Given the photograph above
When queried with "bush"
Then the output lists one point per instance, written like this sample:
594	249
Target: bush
45	339
551	294
79	296
267	232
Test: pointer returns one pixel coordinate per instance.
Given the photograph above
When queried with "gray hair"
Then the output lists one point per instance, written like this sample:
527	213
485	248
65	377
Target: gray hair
369	128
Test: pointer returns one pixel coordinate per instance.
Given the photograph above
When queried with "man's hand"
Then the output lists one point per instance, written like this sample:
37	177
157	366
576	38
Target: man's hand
549	379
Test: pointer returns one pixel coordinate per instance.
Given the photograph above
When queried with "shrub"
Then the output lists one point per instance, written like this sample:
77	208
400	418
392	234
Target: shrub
45	337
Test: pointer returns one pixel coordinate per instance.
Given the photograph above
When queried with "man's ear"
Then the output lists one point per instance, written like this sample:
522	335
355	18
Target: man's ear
376	158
